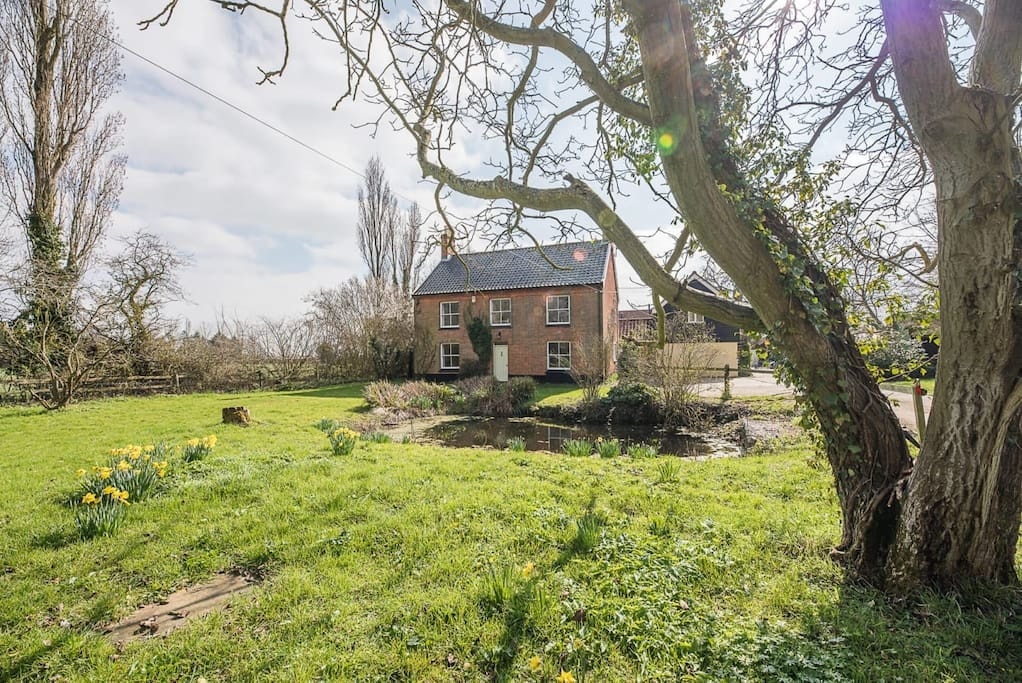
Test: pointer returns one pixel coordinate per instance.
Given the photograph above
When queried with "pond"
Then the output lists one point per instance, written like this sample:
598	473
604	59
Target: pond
550	436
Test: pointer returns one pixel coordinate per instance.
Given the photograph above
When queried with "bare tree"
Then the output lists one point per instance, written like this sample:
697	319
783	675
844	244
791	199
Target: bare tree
367	324
66	352
408	251
590	358
674	370
61	171
145	276
378	222
938	105
288	343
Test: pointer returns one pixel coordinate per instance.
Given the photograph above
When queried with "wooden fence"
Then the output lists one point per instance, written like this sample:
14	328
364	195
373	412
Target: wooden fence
20	390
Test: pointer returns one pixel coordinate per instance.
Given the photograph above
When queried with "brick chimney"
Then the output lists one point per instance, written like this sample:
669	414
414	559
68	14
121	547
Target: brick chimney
446	243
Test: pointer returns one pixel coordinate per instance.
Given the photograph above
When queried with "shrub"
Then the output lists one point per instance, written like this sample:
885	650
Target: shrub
894	354
523	390
488	397
633	403
419	398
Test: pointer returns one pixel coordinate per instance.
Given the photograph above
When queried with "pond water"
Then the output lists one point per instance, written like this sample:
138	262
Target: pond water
550	436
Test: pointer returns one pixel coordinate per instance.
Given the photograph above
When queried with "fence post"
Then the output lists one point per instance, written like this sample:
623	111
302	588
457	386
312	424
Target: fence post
917	399
726	394
177	383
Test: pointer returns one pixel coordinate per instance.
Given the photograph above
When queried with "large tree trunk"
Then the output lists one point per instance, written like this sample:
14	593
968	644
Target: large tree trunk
962	514
750	238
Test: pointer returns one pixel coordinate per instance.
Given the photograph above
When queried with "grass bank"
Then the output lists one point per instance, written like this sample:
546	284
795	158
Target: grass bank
409	563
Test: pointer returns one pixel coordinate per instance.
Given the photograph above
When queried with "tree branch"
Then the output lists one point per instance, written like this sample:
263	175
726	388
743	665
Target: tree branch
999	47
579	197
589	71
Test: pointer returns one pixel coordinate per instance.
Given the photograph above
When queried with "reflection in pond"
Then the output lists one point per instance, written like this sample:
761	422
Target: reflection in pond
547	436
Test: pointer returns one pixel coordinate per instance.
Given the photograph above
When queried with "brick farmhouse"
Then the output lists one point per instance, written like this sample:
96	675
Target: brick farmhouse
544	306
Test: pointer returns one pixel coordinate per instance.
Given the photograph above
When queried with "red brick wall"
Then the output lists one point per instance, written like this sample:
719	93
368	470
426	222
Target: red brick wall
612	331
592	308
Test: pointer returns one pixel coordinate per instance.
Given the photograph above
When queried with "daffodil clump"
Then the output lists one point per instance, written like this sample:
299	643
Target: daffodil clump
197	449
611	448
137	470
343	440
100	514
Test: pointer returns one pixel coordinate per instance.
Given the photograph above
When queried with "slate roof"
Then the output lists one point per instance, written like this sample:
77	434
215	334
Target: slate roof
578	263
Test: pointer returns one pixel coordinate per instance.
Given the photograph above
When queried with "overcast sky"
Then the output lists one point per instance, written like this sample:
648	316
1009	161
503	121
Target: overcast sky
264	220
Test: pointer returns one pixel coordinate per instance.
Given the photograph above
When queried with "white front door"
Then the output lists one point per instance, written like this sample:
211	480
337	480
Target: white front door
500	362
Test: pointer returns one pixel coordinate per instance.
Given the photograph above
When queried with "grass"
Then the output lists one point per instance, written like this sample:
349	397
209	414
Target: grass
906	386
557	394
404	562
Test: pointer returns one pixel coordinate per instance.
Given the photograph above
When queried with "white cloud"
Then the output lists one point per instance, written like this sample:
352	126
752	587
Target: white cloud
265	220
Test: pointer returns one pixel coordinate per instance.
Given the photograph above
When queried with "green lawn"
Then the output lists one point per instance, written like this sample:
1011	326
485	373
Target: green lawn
411	563
926	383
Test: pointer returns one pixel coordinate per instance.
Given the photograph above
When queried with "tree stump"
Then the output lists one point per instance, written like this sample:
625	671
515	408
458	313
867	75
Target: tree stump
237	415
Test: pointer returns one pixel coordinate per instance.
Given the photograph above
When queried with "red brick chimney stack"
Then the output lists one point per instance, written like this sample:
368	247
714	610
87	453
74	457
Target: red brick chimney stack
446	242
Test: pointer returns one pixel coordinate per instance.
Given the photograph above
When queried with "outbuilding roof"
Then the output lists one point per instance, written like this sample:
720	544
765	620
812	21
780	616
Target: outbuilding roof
576	263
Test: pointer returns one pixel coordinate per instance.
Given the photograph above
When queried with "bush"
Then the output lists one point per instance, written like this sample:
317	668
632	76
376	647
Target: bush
487	397
523	389
417	398
633	403
894	354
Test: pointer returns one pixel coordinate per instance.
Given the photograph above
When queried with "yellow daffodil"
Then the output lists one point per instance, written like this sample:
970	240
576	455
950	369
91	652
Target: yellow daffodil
109	490
121	496
81	473
209	441
123	466
192	443
565	677
529	569
105	472
90	498
535	663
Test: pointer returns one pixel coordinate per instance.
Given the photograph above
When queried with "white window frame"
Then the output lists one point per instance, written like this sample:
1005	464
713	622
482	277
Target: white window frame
691	317
559	354
495	323
457	315
444	356
567	297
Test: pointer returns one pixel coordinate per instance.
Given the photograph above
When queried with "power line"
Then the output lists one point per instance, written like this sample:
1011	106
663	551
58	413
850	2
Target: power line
239	109
224	101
